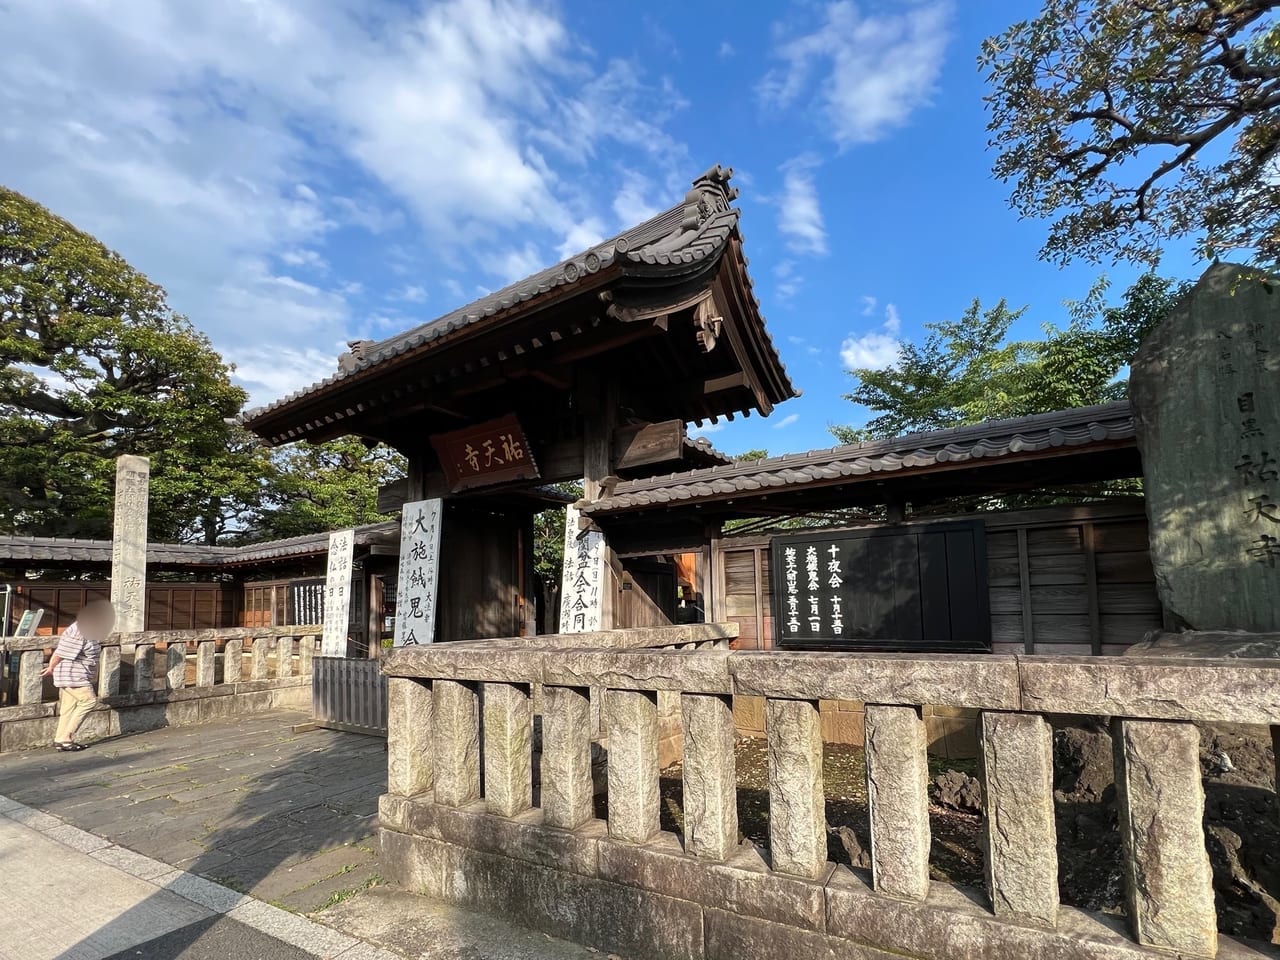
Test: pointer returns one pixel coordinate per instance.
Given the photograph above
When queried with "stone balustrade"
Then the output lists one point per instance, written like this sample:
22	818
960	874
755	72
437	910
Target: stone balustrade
174	677
460	823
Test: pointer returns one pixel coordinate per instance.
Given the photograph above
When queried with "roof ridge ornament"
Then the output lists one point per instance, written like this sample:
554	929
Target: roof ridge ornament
709	195
354	356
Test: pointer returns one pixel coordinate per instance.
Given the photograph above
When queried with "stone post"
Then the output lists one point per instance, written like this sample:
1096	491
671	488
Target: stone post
205	651
232	660
508	748
1021	835
129	544
1160	800
797	806
455	720
567	790
284	657
631	721
306	650
109	672
30	683
710	776
142	676
898	800
259	669
175	675
409	739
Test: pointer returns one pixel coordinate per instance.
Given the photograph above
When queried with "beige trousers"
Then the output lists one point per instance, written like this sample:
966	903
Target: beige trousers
74	704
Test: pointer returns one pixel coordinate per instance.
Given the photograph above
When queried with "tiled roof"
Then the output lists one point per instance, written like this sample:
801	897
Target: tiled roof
990	441
674	242
54	550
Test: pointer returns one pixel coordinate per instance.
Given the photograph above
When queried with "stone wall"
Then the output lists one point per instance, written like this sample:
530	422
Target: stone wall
173	678
623	885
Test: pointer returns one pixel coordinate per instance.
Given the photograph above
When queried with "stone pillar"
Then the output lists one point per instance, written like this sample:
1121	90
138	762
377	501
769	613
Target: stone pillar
284	657
205	651
567	790
1160	801
259	669
109	672
409	740
455	720
142	679
306	650
30	683
508	748
898	800
1022	847
175	675
710	776
631	721
129	544
797	807
232	660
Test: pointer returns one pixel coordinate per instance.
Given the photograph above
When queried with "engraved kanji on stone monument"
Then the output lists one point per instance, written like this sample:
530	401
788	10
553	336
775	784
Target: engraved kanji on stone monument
337	594
1206	394
582	586
129	543
419	572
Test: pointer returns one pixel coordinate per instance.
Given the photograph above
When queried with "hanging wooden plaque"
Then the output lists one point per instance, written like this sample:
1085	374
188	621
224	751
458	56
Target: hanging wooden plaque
496	451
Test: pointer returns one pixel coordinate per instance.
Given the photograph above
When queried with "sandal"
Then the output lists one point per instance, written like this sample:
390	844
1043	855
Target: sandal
68	747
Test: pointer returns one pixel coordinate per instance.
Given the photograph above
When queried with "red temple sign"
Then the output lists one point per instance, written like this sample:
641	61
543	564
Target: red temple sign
496	451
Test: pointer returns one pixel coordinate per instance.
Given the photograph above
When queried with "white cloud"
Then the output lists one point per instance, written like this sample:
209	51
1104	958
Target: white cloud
868	305
786	421
208	143
875	349
788	281
631	205
412	293
875	68
515	264
726	50
710	428
799	214
276	372
580	237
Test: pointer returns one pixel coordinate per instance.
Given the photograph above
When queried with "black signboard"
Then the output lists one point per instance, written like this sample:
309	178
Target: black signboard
918	588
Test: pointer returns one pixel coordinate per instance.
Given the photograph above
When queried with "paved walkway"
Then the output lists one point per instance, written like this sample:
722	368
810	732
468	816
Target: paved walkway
208	842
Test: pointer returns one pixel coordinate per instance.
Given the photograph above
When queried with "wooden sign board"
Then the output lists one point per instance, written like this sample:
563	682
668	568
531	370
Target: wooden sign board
496	451
651	443
337	594
419	572
917	589
583	581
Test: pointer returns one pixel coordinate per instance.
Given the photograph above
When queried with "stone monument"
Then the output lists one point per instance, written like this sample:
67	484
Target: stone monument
1206	395
129	544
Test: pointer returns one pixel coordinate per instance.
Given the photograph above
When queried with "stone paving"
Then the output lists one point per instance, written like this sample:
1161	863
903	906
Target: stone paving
288	818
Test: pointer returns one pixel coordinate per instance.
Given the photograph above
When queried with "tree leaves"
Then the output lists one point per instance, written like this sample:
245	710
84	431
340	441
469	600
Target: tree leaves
1132	124
967	371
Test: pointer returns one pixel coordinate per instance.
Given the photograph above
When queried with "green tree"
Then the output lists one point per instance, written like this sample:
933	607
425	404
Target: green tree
93	364
751	456
1135	123
967	371
314	487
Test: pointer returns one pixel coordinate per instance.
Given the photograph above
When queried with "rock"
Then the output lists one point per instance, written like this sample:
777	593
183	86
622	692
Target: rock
1205	388
1083	767
859	855
957	791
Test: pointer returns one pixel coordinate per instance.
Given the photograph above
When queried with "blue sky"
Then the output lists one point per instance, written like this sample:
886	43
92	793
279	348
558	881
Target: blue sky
298	174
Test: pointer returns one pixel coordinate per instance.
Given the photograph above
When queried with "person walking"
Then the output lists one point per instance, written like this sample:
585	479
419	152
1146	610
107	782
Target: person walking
74	668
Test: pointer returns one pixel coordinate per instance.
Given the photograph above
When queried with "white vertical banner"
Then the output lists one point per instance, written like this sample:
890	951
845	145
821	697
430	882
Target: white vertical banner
337	594
419	572
582	584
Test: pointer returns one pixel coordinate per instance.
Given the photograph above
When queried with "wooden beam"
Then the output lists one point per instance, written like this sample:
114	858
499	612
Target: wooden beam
650	443
720	384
